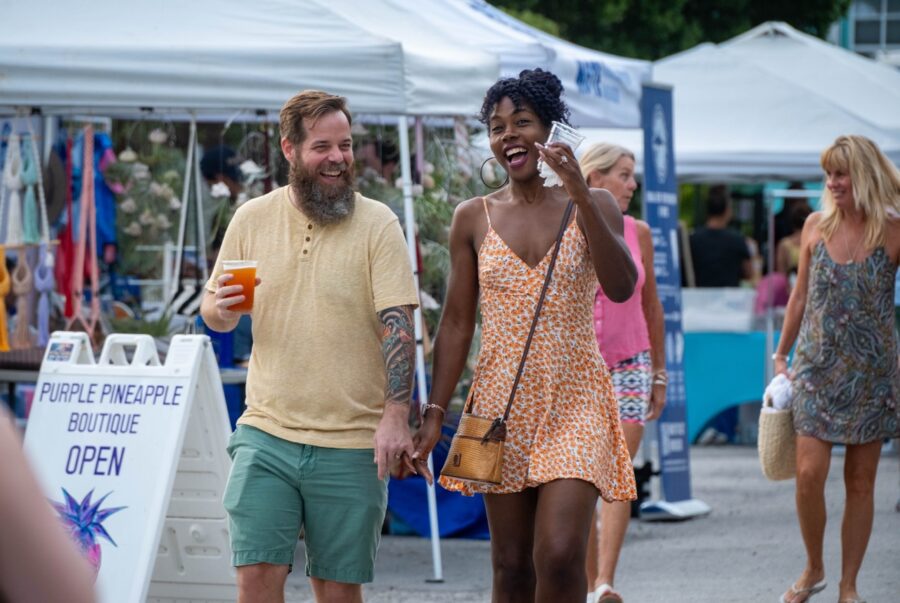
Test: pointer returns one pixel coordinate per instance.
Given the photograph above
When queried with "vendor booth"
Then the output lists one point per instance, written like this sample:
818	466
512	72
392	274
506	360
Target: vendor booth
219	61
226	60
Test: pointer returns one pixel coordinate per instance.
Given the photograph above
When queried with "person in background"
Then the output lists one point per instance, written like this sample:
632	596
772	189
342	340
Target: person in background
787	254
380	155
784	224
219	164
721	256
219	167
39	563
564	442
846	382
331	368
631	338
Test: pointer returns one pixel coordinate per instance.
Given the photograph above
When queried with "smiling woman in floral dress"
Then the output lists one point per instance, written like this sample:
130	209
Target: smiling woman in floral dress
564	445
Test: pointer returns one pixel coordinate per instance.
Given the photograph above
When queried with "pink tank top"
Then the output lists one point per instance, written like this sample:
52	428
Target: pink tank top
622	328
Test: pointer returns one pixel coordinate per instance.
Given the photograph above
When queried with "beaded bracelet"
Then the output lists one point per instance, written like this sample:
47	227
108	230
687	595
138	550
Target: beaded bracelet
428	407
660	377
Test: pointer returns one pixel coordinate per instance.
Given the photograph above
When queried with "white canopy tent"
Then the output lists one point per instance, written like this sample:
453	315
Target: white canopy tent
870	89
736	120
601	89
203	56
441	78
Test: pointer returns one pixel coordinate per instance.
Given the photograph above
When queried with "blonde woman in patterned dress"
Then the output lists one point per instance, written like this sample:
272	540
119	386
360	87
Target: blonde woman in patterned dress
846	381
564	445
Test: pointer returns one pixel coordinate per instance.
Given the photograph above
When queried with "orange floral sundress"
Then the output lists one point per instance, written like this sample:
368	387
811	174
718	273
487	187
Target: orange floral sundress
564	421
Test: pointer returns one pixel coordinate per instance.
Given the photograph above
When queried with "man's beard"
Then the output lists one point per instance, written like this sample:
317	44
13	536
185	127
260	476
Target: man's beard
323	203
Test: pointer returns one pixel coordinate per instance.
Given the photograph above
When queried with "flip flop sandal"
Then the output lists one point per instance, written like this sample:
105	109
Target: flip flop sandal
806	593
605	594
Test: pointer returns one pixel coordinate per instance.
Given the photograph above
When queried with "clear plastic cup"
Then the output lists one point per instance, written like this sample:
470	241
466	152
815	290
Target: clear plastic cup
244	272
559	132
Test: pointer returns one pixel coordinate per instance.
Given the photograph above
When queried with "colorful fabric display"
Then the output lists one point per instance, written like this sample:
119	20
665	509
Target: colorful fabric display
22	285
12	182
31	175
87	233
43	284
4	291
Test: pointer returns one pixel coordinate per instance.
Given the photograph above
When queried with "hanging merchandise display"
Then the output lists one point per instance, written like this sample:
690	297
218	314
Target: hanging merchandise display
4	291
87	234
12	184
43	272
65	253
22	286
31	176
43	285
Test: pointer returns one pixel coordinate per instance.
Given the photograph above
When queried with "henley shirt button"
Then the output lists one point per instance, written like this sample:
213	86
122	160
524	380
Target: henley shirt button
307	238
304	252
309	226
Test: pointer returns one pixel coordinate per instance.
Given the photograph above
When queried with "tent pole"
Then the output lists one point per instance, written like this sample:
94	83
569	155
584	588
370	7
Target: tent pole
420	150
409	221
770	302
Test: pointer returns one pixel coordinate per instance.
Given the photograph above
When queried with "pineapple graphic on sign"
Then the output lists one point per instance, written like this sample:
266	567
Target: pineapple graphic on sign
84	522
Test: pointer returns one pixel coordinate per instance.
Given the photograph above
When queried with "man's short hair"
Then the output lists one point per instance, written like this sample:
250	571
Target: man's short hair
311	105
718	201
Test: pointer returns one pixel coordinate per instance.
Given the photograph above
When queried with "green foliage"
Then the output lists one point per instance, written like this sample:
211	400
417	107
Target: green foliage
536	20
148	190
652	29
154	328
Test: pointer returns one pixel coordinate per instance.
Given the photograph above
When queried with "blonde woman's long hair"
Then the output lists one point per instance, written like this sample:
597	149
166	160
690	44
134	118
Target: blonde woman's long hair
602	157
875	181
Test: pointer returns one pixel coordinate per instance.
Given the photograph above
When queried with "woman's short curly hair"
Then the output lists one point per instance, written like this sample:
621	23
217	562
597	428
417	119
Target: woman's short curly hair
539	89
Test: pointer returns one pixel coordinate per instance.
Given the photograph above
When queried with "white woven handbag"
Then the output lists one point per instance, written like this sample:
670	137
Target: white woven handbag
777	442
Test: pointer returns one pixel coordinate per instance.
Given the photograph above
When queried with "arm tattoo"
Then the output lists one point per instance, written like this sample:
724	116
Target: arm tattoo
398	344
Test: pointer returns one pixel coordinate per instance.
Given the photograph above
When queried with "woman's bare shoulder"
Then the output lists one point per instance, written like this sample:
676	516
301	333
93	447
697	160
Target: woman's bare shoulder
469	208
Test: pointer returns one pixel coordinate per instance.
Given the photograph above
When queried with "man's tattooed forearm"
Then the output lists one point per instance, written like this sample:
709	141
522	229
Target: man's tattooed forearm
398	344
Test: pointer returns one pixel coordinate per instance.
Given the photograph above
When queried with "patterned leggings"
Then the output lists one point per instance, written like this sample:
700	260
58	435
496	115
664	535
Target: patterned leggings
631	382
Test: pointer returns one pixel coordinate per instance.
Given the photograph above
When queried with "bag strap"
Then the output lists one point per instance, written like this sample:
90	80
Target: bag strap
537	312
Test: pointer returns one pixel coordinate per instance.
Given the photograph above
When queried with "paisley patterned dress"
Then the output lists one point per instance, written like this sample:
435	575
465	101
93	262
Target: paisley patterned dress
846	381
564	421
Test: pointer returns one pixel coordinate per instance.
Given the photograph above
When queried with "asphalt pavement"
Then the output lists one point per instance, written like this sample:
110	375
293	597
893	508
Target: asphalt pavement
747	550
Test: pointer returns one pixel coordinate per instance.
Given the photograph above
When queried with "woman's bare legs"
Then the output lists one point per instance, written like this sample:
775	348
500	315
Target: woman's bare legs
603	549
511	520
564	512
813	462
860	466
538	542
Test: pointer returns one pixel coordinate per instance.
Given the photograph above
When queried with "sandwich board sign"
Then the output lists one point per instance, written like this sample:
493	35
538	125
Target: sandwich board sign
131	454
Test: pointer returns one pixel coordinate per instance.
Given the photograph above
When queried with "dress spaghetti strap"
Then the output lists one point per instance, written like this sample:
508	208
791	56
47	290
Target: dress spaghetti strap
486	212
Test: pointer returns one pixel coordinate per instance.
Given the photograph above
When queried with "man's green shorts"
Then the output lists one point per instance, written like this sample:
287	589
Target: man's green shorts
277	486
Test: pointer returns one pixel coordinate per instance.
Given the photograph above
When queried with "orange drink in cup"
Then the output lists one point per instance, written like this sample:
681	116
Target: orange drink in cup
244	272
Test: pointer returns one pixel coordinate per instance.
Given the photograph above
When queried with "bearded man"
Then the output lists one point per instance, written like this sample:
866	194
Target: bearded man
330	376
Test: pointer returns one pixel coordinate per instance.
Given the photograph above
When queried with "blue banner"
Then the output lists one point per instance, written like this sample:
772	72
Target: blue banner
660	195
